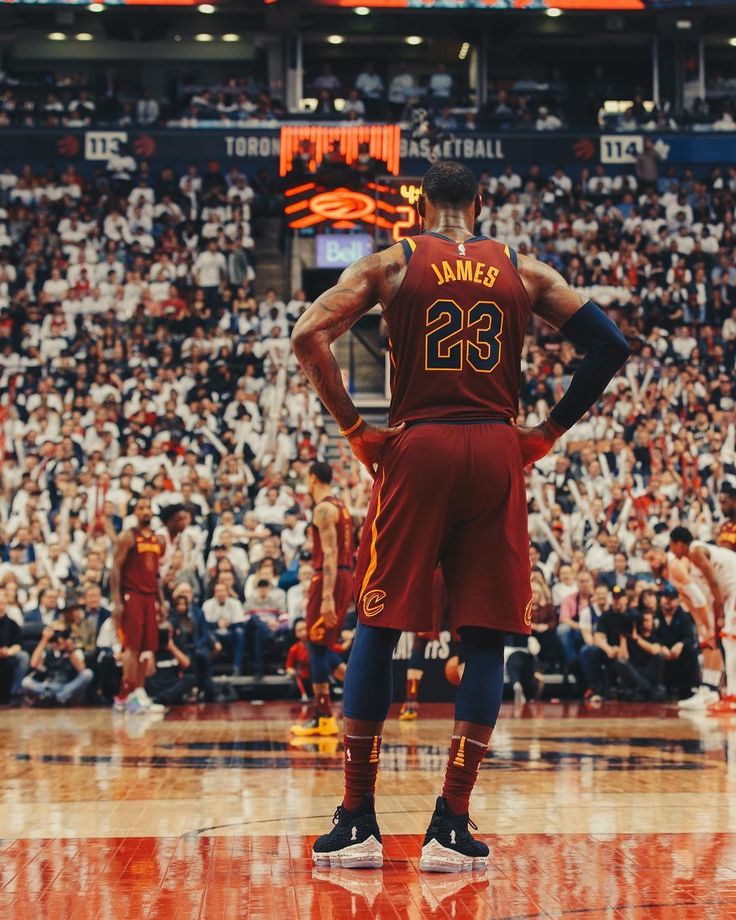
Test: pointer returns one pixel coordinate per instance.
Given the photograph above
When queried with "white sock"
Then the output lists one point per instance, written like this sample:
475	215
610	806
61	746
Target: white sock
729	655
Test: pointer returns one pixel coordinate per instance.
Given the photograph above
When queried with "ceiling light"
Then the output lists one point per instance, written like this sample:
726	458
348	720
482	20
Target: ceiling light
56	37
361	11
177	38
84	36
206	8
684	24
731	41
230	37
335	39
463	52
96	7
413	40
553	12
203	37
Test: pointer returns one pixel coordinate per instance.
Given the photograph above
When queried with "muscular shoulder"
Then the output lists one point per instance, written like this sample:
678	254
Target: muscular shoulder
551	296
325	514
383	271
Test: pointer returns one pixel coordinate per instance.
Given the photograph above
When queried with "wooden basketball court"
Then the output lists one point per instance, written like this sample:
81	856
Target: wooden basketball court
208	813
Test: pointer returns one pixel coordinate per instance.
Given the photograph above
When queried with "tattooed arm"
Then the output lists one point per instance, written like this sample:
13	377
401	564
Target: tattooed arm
325	520
369	281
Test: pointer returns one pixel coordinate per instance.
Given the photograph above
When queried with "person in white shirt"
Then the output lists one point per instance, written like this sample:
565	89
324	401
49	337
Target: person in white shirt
401	88
440	83
210	269
226	620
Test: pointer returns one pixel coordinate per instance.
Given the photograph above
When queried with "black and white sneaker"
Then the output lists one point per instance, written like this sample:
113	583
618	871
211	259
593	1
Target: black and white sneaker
354	842
448	844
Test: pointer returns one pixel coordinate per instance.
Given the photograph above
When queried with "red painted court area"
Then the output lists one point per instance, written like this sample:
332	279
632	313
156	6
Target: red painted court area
638	877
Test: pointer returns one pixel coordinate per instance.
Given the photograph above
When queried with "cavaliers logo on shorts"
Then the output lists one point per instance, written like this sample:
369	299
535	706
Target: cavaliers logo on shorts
373	602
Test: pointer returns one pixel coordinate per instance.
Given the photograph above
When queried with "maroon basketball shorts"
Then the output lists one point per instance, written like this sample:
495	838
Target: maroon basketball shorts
140	621
448	493
317	632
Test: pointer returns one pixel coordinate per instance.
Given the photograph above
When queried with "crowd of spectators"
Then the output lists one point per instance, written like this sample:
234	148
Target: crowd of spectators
433	102
138	359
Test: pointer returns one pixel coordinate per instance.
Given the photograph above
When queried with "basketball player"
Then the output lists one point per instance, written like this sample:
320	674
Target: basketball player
137	605
330	593
449	483
665	565
718	566
727	532
175	520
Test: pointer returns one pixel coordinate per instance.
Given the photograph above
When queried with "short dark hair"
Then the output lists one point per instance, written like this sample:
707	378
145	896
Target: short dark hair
168	511
450	183
681	535
322	471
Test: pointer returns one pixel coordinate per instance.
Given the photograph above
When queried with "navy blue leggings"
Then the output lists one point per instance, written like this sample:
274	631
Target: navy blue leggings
369	686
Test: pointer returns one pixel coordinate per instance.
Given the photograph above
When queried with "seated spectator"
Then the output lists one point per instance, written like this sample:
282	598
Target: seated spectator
265	610
597	661
677	636
57	673
173	679
223	615
13	660
297	659
640	663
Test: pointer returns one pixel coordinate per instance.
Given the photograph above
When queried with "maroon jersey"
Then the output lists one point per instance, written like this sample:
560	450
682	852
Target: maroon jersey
344	527
456	331
139	571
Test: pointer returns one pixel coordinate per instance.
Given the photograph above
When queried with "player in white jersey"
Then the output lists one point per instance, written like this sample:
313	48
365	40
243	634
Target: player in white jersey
679	572
718	566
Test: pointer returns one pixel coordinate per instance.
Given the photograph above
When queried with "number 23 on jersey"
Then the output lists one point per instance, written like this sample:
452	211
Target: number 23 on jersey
456	336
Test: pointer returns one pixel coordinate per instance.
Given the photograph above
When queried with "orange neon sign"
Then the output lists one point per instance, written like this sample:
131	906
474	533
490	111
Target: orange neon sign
383	141
345	209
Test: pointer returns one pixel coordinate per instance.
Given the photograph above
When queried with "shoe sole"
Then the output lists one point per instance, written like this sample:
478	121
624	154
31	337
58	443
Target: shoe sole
436	858
366	855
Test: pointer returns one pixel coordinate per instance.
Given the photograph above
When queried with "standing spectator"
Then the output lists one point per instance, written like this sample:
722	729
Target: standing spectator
209	270
370	85
147	110
647	165
440	85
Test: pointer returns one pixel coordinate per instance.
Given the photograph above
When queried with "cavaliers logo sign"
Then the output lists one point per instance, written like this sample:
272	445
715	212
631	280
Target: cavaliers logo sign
373	602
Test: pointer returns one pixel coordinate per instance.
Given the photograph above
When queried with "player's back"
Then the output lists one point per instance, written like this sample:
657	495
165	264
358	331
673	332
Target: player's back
723	563
456	329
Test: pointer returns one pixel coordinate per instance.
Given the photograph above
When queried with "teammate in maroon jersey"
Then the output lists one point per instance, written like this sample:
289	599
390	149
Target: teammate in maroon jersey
330	593
137	604
449	481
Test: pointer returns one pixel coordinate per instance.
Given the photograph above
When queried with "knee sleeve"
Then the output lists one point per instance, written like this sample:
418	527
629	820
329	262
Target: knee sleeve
481	688
368	681
319	664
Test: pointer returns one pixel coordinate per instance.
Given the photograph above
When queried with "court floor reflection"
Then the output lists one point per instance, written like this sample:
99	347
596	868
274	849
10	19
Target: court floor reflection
210	812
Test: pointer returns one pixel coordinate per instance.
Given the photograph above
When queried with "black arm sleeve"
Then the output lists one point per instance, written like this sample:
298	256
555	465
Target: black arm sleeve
605	349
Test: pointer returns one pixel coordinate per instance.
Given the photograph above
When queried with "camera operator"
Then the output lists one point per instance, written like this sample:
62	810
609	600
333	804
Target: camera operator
58	667
172	682
677	635
640	663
